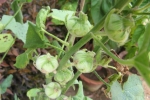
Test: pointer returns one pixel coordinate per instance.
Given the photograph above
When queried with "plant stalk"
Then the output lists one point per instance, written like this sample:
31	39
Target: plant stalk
138	3
128	62
143	8
63	42
15	7
13	16
70	83
55	47
101	78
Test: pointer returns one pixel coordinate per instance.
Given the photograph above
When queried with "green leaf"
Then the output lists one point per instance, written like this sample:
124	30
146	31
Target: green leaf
141	60
23	1
15	7
137	33
132	89
80	94
95	10
33	38
22	60
100	8
70	6
5	84
41	17
63	13
33	92
6	41
15	97
20	30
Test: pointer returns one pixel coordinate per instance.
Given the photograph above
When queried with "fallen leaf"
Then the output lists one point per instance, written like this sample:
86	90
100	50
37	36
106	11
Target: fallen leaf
2	1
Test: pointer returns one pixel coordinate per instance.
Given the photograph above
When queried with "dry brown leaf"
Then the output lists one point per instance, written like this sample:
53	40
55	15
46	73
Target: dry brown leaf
11	71
2	1
4	64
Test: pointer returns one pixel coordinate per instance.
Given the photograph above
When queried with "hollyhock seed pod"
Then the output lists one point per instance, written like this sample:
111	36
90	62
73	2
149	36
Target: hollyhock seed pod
78	26
52	90
84	60
117	28
63	76
46	63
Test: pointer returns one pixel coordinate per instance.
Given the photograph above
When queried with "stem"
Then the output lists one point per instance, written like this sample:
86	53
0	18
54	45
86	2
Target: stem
101	79
70	83
143	13
13	17
55	47
19	16
82	4
88	37
71	41
128	62
141	9
80	43
138	3
63	42
121	4
7	51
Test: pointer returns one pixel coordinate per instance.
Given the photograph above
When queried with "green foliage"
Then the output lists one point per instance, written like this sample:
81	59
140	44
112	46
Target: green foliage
33	92
5	84
41	17
137	34
20	30
15	97
80	94
131	90
15	7
22	60
33	38
23	1
100	8
5	41
114	22
70	5
63	13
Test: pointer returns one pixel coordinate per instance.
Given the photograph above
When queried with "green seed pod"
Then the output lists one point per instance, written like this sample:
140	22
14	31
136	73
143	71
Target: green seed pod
52	90
84	61
63	76
117	28
78	26
46	63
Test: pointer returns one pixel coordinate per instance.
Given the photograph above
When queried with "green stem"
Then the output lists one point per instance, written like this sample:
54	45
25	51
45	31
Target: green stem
70	83
128	62
101	79
80	43
121	4
19	17
141	9
63	42
7	51
138	3
143	13
71	41
13	17
88	37
55	47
